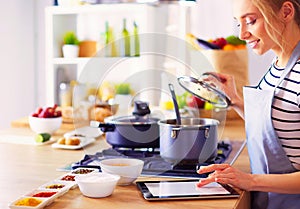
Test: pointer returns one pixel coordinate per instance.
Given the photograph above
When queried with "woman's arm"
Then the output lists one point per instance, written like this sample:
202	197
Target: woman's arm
280	183
226	174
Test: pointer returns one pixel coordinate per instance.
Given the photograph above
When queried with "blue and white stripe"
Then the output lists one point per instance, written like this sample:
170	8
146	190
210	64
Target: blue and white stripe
286	109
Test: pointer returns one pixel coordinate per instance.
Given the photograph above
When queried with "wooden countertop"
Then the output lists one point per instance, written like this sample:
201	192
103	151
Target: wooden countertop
26	167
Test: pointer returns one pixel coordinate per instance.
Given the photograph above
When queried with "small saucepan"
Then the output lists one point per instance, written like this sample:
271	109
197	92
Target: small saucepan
136	131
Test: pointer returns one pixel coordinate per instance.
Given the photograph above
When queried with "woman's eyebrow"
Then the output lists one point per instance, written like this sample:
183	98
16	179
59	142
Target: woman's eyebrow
248	14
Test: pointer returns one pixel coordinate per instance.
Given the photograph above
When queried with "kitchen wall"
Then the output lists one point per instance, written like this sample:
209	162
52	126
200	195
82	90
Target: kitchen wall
17	59
22	51
22	58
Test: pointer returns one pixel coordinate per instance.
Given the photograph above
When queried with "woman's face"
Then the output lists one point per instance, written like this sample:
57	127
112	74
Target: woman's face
251	24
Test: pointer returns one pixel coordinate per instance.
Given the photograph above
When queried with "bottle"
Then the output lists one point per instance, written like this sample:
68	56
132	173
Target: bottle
110	44
107	37
136	40
125	39
65	95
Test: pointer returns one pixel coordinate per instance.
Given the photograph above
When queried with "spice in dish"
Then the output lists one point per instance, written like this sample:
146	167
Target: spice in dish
28	201
120	164
44	194
68	178
82	171
55	186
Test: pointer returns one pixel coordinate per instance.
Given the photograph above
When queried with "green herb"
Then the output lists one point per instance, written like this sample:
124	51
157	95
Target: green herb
70	38
123	88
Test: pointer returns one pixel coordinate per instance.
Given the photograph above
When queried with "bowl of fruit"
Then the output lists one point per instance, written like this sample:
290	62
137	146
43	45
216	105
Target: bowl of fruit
45	120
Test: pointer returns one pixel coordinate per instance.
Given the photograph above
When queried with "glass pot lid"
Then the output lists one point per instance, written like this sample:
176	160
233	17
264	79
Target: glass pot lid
207	88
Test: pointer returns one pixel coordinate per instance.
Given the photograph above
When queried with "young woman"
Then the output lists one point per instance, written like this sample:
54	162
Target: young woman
271	110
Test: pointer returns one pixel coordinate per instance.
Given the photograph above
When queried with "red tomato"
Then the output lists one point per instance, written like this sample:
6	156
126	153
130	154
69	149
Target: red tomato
193	101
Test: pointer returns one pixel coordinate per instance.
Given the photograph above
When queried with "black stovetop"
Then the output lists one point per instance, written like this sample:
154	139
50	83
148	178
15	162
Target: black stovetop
154	164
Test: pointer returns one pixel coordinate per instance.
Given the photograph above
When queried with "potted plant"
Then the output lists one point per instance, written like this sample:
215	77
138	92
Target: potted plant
71	45
123	88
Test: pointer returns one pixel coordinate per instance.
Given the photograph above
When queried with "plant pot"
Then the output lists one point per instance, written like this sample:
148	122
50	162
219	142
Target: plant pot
68	3
87	48
125	103
70	51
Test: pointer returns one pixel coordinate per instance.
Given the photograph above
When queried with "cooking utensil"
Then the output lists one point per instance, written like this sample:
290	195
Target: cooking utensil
196	140
178	118
135	131
207	88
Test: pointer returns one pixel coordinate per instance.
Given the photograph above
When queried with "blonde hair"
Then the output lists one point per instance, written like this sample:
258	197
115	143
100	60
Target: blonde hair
269	10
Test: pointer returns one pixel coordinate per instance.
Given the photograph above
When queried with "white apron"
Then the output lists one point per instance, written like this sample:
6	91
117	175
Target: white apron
265	151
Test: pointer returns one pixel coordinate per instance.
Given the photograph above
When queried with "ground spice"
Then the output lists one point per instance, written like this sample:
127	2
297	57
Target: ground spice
44	194
28	201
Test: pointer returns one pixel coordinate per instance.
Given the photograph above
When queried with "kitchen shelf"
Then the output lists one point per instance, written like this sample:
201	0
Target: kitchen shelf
88	22
84	60
81	9
67	61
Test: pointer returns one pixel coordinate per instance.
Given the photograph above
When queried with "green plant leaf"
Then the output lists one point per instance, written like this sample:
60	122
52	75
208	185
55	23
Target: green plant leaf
71	38
123	88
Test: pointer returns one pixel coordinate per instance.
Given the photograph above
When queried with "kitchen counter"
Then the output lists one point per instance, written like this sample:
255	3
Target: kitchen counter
26	167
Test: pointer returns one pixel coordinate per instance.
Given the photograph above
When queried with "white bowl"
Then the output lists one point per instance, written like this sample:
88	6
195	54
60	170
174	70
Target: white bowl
127	168
97	184
44	125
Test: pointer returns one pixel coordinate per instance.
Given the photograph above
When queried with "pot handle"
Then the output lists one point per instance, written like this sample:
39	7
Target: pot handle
206	132
105	127
174	132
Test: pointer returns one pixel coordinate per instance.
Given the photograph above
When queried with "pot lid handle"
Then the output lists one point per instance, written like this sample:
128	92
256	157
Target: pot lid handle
141	108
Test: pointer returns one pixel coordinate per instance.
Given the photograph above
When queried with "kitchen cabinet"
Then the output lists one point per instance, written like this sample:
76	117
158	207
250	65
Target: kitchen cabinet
88	22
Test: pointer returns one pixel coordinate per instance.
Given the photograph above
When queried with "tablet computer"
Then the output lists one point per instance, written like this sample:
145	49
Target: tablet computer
184	189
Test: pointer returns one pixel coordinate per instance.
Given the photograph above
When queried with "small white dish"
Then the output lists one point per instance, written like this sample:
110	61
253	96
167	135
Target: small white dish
85	131
44	125
129	169
61	186
42	193
84	141
69	179
42	202
97	185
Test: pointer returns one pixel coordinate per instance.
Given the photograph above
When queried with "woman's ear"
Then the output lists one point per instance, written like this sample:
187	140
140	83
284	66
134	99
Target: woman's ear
287	11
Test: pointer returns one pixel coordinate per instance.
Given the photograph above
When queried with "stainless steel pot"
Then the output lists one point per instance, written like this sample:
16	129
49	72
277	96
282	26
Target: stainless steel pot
195	140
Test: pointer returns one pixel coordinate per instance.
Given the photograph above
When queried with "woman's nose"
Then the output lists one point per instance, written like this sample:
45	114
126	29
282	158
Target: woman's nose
244	34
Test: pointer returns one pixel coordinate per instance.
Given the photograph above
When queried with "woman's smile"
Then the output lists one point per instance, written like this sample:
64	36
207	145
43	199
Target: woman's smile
253	44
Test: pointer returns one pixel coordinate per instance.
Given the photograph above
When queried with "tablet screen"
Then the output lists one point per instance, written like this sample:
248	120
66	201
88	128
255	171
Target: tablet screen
183	190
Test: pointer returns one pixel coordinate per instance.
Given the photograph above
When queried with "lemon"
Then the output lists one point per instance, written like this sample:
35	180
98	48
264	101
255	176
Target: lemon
43	137
208	106
167	105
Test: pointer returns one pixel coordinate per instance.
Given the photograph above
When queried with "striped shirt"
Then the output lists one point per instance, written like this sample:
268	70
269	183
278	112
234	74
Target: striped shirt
286	109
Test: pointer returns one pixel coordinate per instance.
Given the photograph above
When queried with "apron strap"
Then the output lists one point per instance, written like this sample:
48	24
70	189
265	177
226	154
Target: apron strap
292	61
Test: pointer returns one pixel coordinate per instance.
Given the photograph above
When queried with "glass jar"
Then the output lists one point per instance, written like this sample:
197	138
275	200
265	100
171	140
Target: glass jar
65	95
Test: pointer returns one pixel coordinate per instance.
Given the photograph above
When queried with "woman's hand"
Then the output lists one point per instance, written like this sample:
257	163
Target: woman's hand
227	85
225	174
